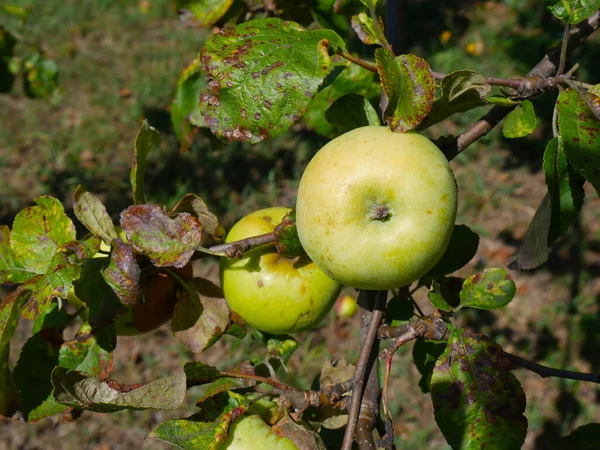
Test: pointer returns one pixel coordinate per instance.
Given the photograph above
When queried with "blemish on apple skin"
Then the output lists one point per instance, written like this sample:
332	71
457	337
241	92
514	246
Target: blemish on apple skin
267	219
260	283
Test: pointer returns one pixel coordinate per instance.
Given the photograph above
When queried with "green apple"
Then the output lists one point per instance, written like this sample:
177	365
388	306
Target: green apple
251	433
376	209
270	292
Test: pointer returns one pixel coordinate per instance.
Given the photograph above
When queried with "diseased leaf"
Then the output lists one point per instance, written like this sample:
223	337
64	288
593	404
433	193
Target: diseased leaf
230	384
579	129
199	322
490	289
205	12
167	242
287	242
199	431
572	11
520	121
565	186
409	88
365	29
79	389
9	319
185	109
146	140
194	205
262	75
352	80
352	111
38	231
83	249
461	91
477	402
461	249
425	355
11	269
55	283
123	274
92	214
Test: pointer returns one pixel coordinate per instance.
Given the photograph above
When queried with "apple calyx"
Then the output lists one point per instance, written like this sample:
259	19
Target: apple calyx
287	242
380	212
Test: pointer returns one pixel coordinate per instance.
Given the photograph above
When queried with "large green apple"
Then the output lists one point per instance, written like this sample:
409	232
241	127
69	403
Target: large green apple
376	209
270	292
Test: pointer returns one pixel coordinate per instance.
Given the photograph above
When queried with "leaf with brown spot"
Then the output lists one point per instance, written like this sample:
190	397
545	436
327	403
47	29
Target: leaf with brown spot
123	274
364	27
262	75
194	205
204	13
38	231
477	402
408	86
490	289
579	130
11	269
166	241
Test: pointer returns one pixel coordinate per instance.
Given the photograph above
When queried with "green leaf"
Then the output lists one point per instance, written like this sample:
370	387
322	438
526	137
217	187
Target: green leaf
565	186
436	297
500	100
425	355
572	11
199	322
93	290
287	242
198	373
409	88
352	111
230	384
477	402
123	274
205	12
490	289
90	351
146	140
55	283
579	129
520	121
281	349
533	250
92	214
461	249
9	319
39	356
583	438
461	91
185	108
262	75
79	389
371	4
364	27
194	205
11	269
167	242
352	80
38	231
41	76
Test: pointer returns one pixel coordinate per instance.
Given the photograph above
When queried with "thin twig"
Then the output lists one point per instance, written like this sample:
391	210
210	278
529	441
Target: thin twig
563	51
238	248
371	304
544	69
360	62
545	372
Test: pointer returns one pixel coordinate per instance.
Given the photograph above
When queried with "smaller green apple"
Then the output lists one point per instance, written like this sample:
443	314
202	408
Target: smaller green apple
270	292
252	433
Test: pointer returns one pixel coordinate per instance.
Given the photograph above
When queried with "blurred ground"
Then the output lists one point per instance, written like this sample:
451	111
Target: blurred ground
119	63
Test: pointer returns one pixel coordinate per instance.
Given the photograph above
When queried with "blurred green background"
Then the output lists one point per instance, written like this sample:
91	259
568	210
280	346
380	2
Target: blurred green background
119	62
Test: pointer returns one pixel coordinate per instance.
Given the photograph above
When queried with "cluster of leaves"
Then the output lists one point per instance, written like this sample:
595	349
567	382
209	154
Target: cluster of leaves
39	73
254	81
